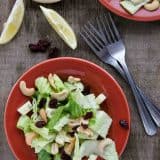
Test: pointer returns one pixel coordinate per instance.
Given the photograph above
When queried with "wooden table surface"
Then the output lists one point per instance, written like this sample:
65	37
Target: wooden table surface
143	57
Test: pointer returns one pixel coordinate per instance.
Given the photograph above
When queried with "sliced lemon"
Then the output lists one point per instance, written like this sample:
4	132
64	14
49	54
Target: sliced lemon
47	1
13	23
60	25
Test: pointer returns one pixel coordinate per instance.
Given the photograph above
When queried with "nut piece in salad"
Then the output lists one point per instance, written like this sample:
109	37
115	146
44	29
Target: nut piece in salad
60	122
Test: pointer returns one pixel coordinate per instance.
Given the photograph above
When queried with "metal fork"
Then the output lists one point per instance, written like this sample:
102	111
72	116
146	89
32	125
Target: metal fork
108	46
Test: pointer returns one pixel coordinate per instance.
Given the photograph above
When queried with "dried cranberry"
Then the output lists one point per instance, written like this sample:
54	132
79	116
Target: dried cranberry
75	128
88	115
86	90
53	52
40	124
44	42
71	134
100	138
65	156
124	124
42	103
53	103
85	158
85	126
36	48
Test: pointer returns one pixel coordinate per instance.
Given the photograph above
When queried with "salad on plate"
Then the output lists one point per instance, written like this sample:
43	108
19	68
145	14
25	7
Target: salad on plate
63	120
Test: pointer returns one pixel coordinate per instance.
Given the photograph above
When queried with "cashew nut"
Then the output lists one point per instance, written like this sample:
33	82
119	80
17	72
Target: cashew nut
102	144
151	6
72	79
51	81
69	147
26	91
43	114
87	131
29	137
54	148
61	95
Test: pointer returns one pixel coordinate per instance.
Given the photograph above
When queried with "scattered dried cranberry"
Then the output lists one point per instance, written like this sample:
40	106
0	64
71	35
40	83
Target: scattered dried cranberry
86	90
100	138
53	103
42	103
124	124
40	124
88	115
41	46
71	134
75	128
85	126
53	52
36	48
85	158
64	156
44	42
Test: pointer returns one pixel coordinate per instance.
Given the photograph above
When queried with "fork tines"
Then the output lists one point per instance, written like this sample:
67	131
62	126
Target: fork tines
105	33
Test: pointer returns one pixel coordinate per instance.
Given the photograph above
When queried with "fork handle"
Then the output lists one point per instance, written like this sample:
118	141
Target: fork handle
147	121
151	107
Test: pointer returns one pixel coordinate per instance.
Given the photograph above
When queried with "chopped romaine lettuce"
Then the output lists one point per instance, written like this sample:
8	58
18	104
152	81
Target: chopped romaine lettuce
24	123
34	116
57	157
110	152
25	108
43	86
74	87
84	136
55	117
39	144
88	101
58	83
44	132
75	109
61	123
102	123
43	155
62	138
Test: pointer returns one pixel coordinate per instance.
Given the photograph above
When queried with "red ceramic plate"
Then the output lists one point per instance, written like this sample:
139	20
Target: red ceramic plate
141	15
99	80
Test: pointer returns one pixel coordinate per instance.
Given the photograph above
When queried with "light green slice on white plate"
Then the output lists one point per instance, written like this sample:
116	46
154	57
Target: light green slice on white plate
60	25
47	1
14	21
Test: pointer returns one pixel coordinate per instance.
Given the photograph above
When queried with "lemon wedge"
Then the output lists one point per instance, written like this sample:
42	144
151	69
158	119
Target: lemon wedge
13	23
60	25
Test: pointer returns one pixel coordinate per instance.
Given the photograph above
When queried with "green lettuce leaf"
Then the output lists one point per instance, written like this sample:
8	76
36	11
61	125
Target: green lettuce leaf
43	86
24	123
110	152
57	157
55	117
44	132
86	102
61	123
43	155
75	109
101	123
34	116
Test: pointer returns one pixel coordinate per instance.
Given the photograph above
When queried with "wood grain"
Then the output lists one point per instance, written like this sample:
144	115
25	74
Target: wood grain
143	57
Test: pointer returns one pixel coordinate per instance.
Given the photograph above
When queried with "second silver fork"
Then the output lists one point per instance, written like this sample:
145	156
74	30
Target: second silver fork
108	46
